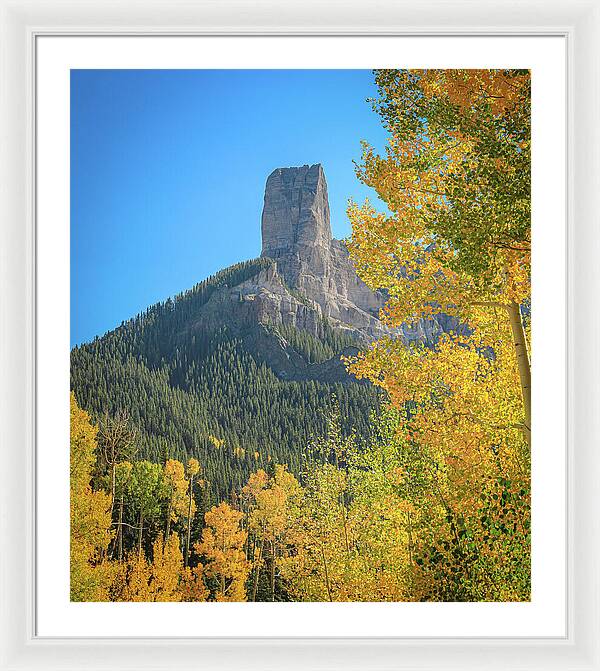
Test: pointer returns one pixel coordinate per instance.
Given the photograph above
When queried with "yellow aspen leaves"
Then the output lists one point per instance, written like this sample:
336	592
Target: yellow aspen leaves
222	548
91	531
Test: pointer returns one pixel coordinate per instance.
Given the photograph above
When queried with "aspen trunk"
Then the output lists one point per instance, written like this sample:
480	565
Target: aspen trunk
113	487
410	543
140	533
523	363
273	551
168	527
257	574
121	529
189	525
346	541
326	573
247	541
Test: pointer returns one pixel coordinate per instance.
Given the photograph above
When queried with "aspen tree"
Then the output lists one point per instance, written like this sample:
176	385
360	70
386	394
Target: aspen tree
193	468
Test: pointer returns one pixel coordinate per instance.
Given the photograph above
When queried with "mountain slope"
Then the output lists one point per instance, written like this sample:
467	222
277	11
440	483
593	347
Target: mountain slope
208	392
242	370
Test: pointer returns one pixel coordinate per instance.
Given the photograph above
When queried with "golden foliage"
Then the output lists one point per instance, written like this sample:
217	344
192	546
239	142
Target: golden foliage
163	579
90	515
349	538
222	547
457	242
176	485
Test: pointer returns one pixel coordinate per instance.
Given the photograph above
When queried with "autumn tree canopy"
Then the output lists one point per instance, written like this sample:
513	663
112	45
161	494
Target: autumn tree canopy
455	178
455	242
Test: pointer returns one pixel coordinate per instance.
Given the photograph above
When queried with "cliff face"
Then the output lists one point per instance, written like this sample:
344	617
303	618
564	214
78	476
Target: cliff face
307	279
296	233
296	212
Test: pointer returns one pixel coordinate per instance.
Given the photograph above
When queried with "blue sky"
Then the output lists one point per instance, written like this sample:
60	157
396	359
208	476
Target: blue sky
168	171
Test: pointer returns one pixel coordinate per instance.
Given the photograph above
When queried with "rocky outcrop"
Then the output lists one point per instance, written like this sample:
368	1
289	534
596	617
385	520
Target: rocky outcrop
307	279
295	214
296	233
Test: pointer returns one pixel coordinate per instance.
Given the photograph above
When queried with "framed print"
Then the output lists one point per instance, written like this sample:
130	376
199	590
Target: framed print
300	368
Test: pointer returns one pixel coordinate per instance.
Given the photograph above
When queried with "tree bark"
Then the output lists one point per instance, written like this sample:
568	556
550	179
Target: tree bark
523	363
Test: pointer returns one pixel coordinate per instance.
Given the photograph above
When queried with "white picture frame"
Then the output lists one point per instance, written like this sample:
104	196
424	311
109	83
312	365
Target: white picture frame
21	23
